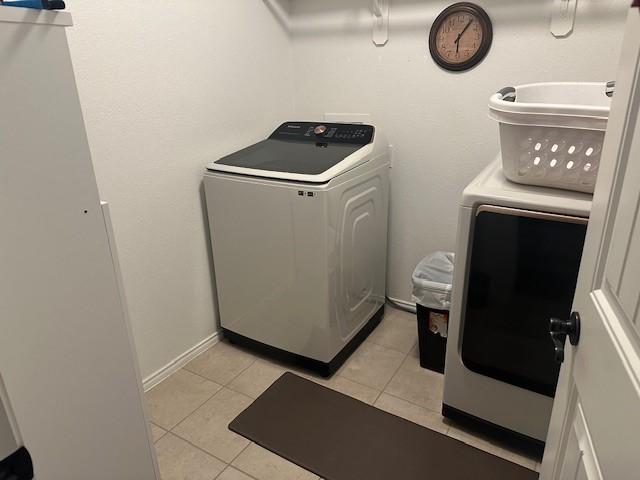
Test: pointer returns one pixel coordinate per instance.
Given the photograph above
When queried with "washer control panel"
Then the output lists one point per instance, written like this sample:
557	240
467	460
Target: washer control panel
323	132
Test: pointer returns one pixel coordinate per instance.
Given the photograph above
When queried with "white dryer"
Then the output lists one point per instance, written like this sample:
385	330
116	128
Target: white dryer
298	228
517	258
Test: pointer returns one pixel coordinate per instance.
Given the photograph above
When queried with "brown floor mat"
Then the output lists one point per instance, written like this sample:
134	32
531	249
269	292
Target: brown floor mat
340	438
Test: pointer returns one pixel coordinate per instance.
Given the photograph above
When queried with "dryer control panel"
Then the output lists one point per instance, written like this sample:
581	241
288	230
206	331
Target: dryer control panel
350	133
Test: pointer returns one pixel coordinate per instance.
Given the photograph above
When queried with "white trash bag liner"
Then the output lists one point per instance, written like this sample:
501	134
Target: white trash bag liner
432	280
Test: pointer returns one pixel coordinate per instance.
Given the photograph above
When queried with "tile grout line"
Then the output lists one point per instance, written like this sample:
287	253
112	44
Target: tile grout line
194	410
236	457
202	449
227	387
385	346
397	396
391	348
248	474
244	394
209	398
173	432
404	399
167	430
203	377
224	385
253	361
164	432
241	471
412	403
196	446
392	377
400	398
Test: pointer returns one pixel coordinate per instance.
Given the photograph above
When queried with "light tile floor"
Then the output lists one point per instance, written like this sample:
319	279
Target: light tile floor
190	411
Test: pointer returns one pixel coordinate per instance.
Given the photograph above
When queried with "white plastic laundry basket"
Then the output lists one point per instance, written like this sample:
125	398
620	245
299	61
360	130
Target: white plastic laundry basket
551	134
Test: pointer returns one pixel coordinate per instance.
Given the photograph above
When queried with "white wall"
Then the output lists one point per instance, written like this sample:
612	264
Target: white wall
167	86
436	120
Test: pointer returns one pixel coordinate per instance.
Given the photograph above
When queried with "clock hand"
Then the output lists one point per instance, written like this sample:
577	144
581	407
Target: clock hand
457	40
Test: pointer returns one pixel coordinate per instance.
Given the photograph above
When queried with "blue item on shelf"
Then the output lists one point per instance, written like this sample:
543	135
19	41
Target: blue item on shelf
37	4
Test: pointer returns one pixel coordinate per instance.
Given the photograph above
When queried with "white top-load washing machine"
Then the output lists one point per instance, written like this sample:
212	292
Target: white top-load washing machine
299	235
517	258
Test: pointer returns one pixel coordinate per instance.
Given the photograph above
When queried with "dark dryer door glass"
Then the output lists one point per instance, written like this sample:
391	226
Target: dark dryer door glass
523	270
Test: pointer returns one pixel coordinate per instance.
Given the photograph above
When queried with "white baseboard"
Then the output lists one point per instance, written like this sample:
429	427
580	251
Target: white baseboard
411	307
180	361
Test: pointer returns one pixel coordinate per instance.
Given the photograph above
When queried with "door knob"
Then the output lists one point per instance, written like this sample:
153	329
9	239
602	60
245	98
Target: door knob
560	329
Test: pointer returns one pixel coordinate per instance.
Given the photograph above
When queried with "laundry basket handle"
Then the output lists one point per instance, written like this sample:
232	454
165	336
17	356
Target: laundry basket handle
508	94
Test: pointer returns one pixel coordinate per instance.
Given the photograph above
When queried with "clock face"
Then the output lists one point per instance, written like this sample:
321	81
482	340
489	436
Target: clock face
460	37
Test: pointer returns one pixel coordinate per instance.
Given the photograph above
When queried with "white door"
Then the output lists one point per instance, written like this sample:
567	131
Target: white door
595	425
69	384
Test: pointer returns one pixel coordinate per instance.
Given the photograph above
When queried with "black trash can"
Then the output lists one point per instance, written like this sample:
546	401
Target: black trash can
432	345
432	280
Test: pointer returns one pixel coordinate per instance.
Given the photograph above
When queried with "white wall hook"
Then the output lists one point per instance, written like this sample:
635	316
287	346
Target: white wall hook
563	16
380	21
377	9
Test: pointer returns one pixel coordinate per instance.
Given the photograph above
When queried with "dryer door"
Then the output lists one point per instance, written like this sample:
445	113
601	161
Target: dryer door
523	270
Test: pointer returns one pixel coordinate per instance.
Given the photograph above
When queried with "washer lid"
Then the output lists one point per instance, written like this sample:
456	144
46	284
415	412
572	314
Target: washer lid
300	151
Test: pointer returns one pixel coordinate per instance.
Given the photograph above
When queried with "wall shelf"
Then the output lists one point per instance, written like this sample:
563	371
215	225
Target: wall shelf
29	15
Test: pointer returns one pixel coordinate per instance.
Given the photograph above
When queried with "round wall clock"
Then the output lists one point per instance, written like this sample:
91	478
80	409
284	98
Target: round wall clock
460	36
